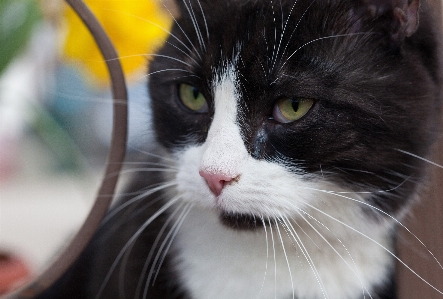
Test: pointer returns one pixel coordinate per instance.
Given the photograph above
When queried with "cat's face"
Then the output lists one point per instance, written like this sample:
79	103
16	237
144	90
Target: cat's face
271	108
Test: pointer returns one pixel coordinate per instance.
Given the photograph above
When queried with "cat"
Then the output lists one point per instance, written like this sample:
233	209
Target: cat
287	136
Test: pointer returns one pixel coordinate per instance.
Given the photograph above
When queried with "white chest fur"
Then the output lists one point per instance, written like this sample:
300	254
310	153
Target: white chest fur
219	263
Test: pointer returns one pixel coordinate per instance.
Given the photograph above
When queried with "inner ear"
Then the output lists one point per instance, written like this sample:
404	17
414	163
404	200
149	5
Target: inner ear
398	18
408	16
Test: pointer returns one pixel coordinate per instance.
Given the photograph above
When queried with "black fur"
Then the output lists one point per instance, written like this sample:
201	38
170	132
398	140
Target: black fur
376	89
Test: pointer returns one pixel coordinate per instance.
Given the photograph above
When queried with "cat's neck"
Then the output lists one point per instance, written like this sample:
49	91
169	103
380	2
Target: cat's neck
216	262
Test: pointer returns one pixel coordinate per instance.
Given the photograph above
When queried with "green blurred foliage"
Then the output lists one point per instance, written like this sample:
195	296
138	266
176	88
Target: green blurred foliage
17	19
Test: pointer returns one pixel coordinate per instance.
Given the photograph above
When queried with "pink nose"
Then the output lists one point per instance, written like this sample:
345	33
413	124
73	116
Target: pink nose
216	181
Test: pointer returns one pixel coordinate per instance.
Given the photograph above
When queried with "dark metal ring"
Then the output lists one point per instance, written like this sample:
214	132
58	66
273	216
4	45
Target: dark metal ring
114	163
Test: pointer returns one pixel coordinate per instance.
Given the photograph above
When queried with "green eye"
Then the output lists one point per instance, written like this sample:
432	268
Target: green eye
192	98
288	110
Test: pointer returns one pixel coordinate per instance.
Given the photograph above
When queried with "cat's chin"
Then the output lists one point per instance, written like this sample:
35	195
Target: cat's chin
239	221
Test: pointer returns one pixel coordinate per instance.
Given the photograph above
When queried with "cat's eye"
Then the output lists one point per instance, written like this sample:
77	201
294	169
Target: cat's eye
288	110
192	98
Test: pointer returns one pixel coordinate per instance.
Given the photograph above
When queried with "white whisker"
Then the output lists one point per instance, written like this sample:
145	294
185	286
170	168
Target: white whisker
88	98
378	244
147	169
184	33
153	248
307	256
420	158
365	289
320	39
131	240
267	255
275	259
152	23
135	199
150	163
283	32
195	23
149	55
376	191
385	213
161	254
168	57
168	70
151	154
182	51
287	261
296	26
204	19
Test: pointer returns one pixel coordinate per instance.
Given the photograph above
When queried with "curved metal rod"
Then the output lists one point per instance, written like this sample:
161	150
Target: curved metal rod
115	159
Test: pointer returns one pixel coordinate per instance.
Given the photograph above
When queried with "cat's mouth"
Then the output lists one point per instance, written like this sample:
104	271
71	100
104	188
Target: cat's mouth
239	221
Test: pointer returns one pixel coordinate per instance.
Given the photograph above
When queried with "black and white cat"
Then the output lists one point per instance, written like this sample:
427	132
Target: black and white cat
287	135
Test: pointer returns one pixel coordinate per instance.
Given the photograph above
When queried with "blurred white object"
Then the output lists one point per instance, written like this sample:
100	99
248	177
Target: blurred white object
23	85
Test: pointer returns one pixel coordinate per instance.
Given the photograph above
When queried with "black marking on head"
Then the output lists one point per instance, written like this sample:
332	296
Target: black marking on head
375	90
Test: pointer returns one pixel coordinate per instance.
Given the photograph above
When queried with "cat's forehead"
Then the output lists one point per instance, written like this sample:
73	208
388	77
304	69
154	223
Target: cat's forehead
260	32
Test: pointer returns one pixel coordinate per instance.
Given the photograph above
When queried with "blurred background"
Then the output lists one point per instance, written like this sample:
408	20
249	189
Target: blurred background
56	114
55	120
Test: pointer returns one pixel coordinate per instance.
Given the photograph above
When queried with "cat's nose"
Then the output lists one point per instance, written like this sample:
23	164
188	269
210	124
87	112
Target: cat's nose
216	181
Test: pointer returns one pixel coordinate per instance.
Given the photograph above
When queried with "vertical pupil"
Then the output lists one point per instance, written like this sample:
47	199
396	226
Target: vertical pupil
295	105
195	92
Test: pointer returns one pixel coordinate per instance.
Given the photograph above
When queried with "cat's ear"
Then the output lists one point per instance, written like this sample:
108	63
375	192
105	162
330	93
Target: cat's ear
408	16
399	18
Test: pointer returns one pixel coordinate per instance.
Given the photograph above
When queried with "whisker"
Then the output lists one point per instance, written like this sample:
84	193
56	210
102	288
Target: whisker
144	270
129	214
420	158
168	70
385	213
166	242
307	256
169	57
182	51
131	240
296	26
195	24
267	255
152	23
275	259
149	55
188	207
335	250
186	36
320	39
135	199
275	31
204	19
283	31
138	192
153	247
149	163
376	191
122	272
146	169
377	243
151	154
88	98
286	257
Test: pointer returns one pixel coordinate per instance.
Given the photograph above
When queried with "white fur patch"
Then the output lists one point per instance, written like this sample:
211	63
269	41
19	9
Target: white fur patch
331	247
218	263
221	152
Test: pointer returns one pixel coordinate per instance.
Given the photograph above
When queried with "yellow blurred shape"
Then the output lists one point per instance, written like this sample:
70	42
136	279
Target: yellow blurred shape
136	27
